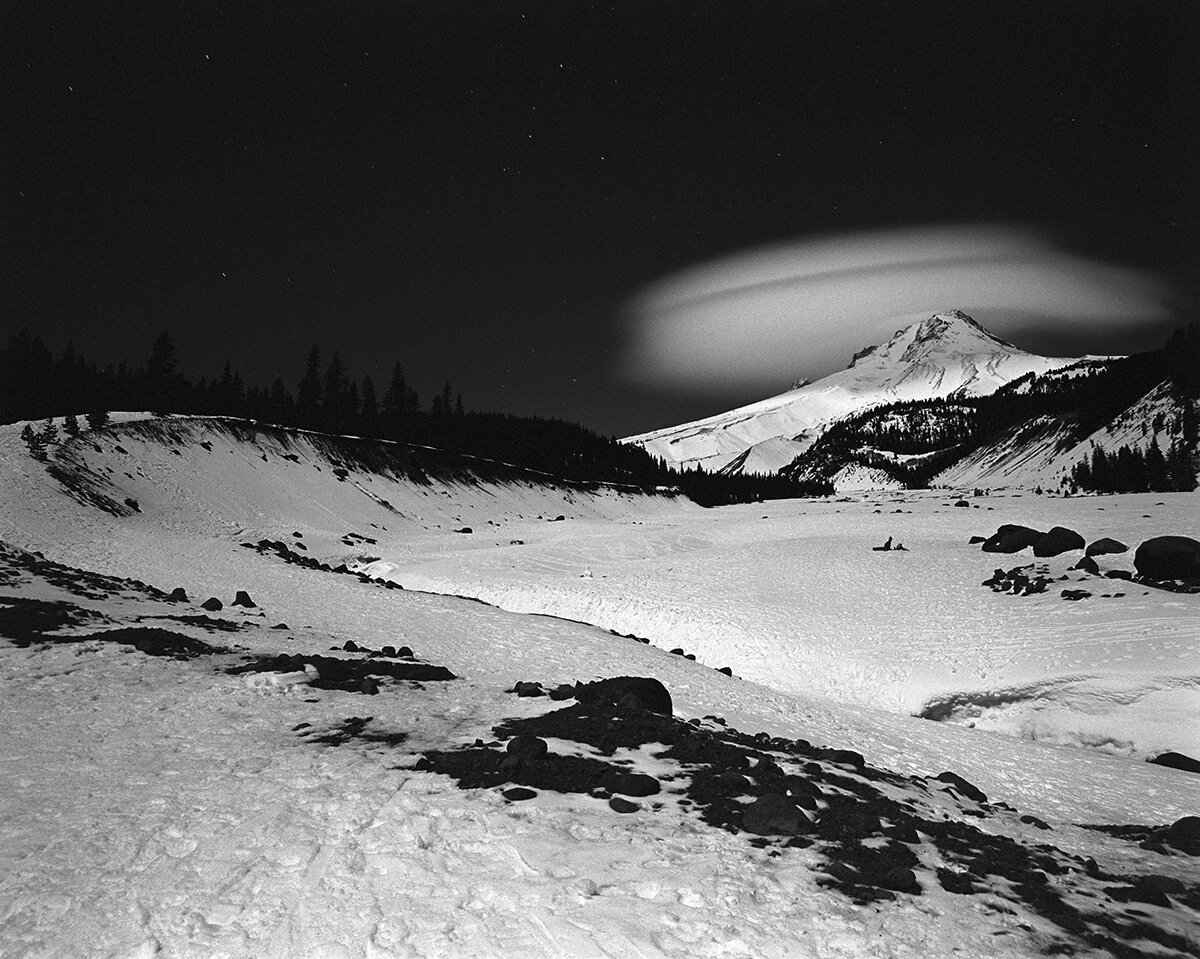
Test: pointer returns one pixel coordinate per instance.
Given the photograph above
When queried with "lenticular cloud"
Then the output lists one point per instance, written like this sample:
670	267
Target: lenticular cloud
764	316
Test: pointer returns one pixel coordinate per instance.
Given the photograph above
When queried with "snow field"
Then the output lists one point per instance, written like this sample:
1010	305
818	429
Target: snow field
153	807
800	602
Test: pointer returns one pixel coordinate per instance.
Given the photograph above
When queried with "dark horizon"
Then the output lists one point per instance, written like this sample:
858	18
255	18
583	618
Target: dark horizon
480	191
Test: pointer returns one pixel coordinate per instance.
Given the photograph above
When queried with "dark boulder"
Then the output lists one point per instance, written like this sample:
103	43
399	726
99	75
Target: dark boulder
405	652
964	787
1184	834
1177	761
212	604
1010	539
900	879
562	692
844	757
1169	557
775	815
976	540
617	804
1058	540
1105	545
529	689
650	693
178	595
525	746
389	651
350	646
243	599
1087	565
518	794
368	686
630	784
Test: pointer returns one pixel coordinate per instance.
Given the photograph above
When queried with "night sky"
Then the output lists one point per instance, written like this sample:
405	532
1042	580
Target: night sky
485	191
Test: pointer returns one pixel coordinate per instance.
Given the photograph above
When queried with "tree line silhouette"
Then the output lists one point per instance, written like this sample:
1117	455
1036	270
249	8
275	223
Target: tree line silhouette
37	385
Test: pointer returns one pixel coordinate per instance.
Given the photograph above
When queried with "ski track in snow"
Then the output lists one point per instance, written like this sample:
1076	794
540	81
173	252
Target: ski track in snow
153	807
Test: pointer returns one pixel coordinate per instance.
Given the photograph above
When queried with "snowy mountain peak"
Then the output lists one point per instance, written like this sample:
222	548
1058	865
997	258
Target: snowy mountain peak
946	354
950	334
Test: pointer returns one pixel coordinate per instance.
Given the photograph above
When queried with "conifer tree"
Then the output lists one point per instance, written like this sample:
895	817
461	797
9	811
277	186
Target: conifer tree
369	406
308	391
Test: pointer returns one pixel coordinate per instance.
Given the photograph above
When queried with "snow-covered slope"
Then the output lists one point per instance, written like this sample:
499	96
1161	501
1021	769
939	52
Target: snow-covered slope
948	354
1042	452
161	806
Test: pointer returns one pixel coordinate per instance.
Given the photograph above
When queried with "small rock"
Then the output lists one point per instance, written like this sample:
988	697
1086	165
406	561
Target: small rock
518	794
350	646
178	595
405	652
243	599
617	804
529	689
368	686
212	604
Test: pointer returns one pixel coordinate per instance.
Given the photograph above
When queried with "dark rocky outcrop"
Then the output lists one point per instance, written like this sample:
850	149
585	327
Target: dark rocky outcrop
178	595
1010	538
1058	540
1087	565
212	604
1169	557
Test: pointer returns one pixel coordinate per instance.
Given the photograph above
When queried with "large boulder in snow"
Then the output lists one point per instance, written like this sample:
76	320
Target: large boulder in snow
1058	540
1169	557
650	693
1177	761
1010	538
1105	545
